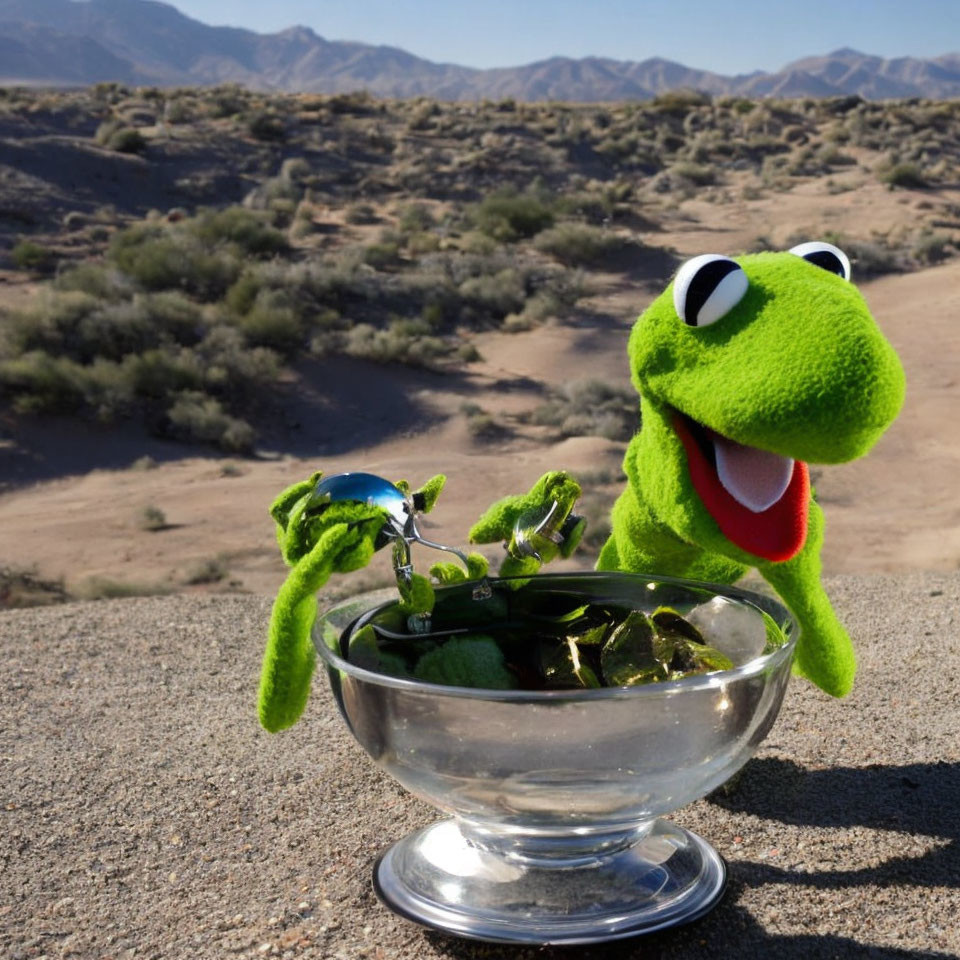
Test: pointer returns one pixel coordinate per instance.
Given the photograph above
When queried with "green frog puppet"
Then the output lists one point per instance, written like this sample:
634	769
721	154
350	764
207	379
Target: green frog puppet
748	369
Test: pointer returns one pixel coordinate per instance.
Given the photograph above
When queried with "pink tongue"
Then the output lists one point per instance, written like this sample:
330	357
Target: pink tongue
755	478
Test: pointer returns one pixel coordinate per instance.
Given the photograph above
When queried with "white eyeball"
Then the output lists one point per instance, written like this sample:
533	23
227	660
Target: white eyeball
824	255
707	288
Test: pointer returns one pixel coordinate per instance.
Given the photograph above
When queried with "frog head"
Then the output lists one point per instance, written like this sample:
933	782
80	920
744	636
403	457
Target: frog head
748	369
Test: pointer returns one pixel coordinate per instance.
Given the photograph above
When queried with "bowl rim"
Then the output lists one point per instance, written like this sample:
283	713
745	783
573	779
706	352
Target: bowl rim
769	662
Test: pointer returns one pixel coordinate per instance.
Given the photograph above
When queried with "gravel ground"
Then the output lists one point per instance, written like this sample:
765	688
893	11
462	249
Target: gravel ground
144	812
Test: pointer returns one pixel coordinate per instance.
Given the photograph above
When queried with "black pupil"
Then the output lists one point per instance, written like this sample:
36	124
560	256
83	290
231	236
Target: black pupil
827	260
704	282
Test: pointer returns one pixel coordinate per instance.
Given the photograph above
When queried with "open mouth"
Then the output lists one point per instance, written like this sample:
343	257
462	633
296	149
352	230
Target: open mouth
759	499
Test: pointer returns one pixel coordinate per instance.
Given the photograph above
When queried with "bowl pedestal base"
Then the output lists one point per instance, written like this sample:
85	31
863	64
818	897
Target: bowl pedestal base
576	889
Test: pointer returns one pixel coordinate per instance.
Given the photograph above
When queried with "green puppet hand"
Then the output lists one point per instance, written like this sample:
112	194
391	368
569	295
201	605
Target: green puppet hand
536	527
337	539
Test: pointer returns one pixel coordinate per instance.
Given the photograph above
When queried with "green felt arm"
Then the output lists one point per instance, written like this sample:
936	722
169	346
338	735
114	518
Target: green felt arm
340	540
824	652
289	657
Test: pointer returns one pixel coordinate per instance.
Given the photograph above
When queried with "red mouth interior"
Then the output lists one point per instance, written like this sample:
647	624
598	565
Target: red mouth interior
776	533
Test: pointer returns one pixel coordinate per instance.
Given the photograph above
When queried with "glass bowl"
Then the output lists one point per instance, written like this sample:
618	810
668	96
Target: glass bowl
556	797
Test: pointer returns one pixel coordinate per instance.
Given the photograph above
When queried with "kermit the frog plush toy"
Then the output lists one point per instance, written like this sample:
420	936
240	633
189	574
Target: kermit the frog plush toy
748	369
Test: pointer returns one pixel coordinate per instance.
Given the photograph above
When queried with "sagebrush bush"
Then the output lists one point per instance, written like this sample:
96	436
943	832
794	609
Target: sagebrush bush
399	343
508	215
27	255
127	140
151	518
245	229
196	416
170	258
591	408
271	322
578	244
930	248
266	126
906	175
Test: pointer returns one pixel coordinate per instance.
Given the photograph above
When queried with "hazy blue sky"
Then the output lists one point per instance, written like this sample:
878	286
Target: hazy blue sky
723	36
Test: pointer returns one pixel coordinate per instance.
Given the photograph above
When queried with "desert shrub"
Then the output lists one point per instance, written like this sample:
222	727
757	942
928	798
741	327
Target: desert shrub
384	253
870	259
679	103
481	425
401	342
231	368
146	462
127	140
509	216
295	169
151	518
266	126
39	383
271	322
699	174
154	375
105	131
206	570
106	588
360	213
165	258
24	587
494	294
420	243
178	111
415	218
197	417
244	228
931	248
577	244
906	175
94	279
555	296
27	255
595	208
82	327
591	408
832	156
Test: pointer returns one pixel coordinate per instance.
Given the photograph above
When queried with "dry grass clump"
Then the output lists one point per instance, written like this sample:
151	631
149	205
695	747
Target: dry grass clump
579	244
151	519
481	425
107	588
207	570
20	587
591	408
32	257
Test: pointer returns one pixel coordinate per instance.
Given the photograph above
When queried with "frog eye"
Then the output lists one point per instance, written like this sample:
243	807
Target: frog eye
824	255
708	287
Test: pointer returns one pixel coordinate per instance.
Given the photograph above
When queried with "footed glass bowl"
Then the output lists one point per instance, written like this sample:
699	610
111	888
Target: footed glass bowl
555	796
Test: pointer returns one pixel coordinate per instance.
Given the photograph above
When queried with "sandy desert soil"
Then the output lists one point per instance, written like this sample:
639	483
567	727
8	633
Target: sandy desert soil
72	503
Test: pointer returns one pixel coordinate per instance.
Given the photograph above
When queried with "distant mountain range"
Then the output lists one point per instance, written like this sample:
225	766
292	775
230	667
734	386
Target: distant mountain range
69	43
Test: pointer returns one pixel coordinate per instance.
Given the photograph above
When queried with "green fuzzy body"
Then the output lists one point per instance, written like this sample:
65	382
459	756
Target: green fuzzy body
799	368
